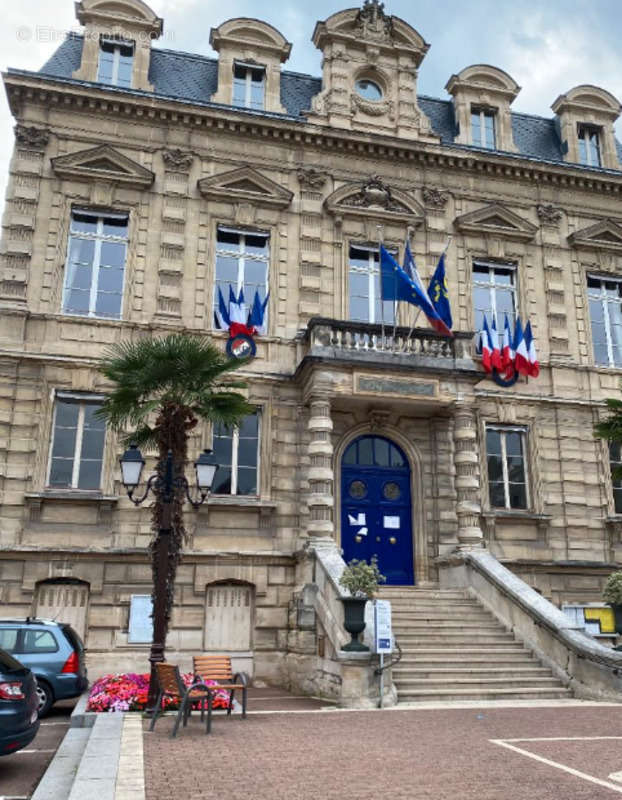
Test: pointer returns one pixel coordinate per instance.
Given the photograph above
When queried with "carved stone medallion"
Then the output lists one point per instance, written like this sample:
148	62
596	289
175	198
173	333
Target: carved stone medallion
177	159
372	23
434	197
549	214
376	194
311	178
36	138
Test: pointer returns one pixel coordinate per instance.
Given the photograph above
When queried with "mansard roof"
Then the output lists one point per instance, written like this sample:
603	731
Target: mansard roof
193	78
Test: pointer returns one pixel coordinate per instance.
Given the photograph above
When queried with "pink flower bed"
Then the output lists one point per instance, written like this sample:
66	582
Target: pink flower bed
128	692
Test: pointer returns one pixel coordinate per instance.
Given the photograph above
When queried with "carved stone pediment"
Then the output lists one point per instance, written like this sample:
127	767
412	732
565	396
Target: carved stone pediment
103	163
245	184
605	235
374	198
497	220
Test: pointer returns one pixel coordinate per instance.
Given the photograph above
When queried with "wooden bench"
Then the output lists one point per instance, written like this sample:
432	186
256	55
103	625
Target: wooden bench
218	668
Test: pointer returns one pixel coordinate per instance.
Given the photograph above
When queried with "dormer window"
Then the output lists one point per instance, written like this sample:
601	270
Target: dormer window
589	146
368	90
483	128
116	61
249	86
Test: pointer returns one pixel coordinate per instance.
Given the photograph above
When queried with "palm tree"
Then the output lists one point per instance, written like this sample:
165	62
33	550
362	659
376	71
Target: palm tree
162	389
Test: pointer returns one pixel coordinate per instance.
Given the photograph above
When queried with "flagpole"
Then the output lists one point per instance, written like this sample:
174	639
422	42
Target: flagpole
380	240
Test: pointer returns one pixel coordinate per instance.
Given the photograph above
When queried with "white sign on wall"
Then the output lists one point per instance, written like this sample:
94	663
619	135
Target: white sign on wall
140	630
383	636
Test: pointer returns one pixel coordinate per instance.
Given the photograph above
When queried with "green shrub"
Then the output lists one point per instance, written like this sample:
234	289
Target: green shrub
362	579
612	593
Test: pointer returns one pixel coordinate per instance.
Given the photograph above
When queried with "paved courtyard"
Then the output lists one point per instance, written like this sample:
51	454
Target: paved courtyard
564	752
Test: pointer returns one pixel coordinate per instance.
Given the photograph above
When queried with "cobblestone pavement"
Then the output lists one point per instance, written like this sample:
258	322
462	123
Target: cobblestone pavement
21	772
427	754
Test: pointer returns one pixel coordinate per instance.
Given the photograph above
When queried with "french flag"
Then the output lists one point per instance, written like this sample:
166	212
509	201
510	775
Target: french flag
534	366
486	346
507	350
521	362
496	359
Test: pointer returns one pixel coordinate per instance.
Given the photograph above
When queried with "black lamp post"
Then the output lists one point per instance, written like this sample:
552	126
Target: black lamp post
163	487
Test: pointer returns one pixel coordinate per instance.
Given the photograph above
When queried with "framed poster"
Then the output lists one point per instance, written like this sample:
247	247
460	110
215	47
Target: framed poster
140	629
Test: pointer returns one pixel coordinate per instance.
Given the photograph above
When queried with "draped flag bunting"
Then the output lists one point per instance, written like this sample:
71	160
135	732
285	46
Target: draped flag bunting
395	284
439	293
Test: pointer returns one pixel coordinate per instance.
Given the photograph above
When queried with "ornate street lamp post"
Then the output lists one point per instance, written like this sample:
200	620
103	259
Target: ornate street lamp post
163	485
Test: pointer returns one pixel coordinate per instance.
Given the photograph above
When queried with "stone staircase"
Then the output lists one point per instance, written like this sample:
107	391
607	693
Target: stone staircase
454	649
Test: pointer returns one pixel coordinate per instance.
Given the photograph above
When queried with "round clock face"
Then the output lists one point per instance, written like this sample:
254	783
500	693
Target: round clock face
241	346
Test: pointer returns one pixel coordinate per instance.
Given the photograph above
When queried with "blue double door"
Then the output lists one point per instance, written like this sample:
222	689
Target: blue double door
376	512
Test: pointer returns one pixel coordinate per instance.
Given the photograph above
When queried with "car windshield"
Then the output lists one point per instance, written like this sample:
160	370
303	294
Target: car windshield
8	663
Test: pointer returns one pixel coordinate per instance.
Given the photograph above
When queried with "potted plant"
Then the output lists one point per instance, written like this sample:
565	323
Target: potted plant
361	580
612	594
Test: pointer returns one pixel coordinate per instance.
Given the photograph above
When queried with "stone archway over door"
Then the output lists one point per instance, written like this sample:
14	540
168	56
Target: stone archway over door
64	602
229	611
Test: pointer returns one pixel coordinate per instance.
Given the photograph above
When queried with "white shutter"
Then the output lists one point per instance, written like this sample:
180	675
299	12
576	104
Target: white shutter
228	618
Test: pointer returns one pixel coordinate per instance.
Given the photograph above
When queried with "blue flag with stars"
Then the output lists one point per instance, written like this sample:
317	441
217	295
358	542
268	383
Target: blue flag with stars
439	294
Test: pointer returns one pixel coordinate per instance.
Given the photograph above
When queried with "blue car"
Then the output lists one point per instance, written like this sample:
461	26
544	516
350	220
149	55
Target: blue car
53	651
19	718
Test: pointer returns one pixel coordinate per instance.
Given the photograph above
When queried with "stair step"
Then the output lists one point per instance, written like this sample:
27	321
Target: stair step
422	625
534	693
405	673
466	681
467	663
453	639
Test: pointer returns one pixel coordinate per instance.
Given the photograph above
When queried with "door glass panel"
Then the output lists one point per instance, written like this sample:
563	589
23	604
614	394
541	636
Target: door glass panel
382	452
366	457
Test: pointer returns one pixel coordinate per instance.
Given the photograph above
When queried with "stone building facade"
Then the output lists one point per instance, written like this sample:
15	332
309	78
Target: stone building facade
143	179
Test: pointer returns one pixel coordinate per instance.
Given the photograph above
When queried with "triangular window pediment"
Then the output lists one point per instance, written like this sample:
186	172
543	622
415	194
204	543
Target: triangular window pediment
245	184
605	235
496	219
97	161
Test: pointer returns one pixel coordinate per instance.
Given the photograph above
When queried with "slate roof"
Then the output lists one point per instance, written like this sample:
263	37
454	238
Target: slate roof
193	78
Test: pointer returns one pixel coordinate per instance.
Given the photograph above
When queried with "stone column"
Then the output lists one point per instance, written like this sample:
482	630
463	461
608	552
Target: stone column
321	475
466	459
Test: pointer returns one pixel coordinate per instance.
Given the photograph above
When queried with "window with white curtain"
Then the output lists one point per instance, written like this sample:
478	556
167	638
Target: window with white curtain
507	471
116	59
494	294
242	259
605	301
364	286
236	451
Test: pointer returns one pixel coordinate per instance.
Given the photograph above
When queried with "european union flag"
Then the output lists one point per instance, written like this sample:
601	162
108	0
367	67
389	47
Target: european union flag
439	295
396	285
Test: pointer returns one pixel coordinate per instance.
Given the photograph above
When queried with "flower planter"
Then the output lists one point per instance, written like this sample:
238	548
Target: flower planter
354	622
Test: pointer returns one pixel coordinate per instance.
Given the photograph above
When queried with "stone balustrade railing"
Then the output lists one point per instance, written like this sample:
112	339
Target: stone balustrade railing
340	338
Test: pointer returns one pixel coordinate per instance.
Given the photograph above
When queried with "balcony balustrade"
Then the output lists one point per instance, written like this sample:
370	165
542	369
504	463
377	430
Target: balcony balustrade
364	342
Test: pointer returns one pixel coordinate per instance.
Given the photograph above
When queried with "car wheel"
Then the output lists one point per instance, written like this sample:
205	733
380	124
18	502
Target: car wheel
46	698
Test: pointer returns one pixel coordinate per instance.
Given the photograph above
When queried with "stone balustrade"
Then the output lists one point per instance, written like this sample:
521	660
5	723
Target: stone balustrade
341	339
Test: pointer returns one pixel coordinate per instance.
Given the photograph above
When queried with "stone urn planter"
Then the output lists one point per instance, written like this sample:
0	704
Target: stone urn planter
354	622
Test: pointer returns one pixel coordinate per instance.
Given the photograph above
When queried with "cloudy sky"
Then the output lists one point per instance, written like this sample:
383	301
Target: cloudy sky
547	47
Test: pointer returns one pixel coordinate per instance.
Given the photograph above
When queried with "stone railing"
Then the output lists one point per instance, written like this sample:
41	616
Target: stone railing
590	669
329	338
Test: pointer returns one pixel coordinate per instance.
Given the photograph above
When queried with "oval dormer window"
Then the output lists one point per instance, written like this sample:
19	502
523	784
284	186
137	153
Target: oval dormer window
368	90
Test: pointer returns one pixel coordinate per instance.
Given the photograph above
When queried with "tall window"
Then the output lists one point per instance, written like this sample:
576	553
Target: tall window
95	265
605	299
589	146
615	462
115	63
494	294
242	263
77	444
483	128
365	302
236	451
249	86
505	452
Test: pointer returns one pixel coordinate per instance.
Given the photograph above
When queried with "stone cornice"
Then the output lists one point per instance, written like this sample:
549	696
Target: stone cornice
25	87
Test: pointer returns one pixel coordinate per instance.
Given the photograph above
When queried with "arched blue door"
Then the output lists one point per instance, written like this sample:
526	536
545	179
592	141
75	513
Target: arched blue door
376	513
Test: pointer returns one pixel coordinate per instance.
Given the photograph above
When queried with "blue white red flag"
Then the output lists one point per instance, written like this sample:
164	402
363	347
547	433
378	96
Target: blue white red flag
521	361
222	312
257	320
507	350
534	366
486	346
496	361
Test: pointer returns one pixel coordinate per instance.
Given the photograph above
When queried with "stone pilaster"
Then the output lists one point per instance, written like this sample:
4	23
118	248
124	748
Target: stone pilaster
467	478
321	476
